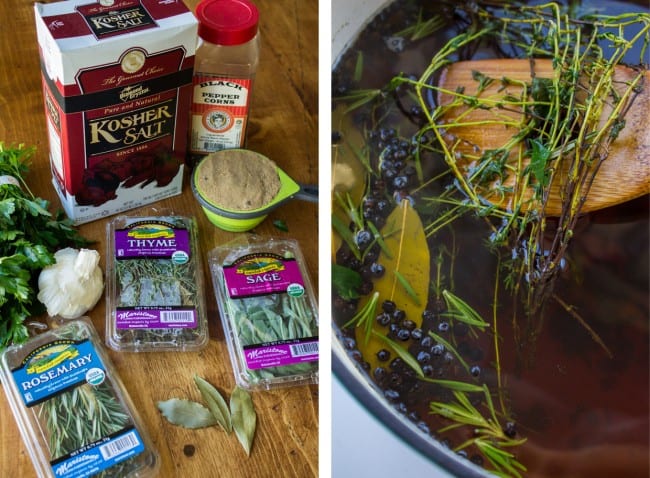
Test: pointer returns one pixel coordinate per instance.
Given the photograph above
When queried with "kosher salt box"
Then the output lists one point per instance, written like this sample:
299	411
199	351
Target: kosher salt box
117	86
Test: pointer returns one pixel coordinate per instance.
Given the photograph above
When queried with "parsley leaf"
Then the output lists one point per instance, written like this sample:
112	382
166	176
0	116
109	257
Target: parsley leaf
29	237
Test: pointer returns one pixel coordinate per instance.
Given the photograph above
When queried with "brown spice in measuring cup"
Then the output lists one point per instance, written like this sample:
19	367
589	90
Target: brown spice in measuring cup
238	179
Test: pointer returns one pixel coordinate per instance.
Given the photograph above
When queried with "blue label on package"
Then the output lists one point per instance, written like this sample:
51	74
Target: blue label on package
96	457
59	367
56	367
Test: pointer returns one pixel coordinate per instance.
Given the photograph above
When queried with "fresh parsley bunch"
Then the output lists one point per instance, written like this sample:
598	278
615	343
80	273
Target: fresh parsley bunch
29	237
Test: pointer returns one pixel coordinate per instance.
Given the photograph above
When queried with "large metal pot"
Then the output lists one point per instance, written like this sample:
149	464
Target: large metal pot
349	17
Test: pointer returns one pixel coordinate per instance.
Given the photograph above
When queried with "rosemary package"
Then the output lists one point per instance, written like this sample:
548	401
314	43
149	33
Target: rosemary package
75	417
268	311
154	288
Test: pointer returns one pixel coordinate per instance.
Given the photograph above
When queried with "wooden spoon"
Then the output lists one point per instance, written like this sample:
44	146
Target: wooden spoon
623	175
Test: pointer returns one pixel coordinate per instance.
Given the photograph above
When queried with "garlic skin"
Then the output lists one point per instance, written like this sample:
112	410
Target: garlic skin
73	285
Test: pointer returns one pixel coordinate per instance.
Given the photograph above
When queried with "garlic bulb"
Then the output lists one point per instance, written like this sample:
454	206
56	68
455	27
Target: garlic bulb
73	285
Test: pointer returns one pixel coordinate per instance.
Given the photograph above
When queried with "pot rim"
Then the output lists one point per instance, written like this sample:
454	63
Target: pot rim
368	394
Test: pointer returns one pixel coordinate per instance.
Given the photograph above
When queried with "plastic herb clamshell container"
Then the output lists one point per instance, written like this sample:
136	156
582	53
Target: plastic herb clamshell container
268	311
155	298
73	412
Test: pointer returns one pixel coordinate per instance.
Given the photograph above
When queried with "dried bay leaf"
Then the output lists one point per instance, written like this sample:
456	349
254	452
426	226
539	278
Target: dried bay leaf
244	418
406	281
186	413
216	403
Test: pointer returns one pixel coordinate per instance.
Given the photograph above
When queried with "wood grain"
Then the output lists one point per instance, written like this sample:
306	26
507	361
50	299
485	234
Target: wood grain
284	125
622	176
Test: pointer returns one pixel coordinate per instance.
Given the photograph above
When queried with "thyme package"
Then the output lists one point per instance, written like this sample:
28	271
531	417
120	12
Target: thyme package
268	311
154	293
75	416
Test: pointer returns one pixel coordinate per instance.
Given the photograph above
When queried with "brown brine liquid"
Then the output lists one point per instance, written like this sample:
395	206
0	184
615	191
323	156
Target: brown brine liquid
582	411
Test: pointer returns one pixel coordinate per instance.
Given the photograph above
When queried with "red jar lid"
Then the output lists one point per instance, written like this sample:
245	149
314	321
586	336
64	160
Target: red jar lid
227	22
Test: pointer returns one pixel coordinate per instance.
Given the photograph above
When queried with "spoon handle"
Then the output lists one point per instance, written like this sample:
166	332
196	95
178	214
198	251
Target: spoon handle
308	192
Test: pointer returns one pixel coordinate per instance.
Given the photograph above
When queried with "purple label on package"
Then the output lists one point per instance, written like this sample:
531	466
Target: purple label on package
281	353
153	239
261	274
155	317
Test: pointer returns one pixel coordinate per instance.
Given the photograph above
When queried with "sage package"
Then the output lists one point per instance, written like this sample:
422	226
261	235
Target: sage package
154	285
268	311
117	86
73	412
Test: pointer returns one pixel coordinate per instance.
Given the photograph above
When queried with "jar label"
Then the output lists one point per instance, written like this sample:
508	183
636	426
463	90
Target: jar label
219	113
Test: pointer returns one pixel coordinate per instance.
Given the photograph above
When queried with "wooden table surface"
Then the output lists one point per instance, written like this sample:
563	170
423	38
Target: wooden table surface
284	127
